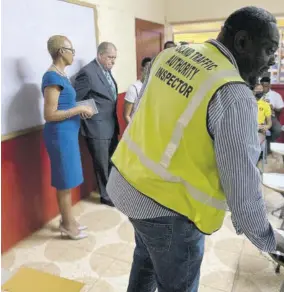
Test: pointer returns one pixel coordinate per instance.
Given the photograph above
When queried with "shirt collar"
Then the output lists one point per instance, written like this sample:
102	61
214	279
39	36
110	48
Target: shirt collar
103	69
225	51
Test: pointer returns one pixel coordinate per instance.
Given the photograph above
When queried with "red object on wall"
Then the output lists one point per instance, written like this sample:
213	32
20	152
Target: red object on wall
280	89
28	200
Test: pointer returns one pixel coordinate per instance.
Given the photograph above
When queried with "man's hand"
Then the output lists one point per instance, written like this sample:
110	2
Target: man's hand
263	128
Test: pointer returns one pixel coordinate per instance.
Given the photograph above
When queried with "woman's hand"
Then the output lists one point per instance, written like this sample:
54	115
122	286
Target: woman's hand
86	112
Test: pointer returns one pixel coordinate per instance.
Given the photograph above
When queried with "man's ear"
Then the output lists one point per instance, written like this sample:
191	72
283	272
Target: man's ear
241	42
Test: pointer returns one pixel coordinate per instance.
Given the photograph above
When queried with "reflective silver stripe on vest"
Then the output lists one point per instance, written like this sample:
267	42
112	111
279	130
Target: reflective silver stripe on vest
188	113
159	170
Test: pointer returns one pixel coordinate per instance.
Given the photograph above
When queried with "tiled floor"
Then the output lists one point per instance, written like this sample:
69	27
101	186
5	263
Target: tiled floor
103	260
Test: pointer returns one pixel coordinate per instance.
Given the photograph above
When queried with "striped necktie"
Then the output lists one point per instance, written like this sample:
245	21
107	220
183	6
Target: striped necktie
111	83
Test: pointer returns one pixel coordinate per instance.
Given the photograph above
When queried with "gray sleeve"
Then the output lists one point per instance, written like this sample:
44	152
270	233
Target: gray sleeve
234	128
82	85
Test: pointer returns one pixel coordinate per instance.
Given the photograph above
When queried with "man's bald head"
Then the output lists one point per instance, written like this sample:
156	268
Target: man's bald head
107	53
104	46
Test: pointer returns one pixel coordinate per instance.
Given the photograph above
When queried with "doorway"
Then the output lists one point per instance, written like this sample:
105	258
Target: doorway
149	40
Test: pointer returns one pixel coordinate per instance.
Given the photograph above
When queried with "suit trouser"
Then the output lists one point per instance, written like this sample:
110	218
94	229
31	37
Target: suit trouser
101	152
275	132
275	129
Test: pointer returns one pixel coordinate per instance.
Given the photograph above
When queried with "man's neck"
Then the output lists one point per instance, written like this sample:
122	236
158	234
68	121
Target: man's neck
228	44
102	67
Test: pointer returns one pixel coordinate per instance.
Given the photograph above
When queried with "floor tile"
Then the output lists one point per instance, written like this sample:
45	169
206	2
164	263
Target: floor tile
102	286
103	260
265	282
118	251
203	288
63	250
221	279
8	259
250	249
234	245
89	283
253	264
46	267
118	268
126	232
101	220
100	263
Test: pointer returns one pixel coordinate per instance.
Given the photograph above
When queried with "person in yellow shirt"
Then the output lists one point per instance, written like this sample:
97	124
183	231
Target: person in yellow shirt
264	110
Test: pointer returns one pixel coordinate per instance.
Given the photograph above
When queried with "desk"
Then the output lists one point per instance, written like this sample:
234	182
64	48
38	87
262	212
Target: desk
274	181
277	148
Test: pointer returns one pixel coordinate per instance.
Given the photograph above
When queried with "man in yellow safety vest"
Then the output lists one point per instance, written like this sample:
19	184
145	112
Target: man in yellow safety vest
191	149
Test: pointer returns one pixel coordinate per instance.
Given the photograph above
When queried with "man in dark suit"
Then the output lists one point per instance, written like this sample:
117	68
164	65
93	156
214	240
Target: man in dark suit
101	131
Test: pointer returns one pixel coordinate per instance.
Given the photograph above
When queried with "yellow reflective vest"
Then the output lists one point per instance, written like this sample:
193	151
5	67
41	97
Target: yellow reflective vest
166	152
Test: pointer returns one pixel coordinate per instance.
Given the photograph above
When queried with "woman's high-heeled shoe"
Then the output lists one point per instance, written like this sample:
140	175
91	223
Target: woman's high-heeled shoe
67	233
80	227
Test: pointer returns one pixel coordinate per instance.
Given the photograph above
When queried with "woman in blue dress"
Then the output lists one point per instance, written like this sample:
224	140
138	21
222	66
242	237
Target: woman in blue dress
61	131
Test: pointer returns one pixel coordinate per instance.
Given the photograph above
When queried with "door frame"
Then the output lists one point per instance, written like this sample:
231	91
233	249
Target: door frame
141	24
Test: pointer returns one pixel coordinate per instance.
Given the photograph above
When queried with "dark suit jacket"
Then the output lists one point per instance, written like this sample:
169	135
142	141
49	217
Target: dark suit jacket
91	82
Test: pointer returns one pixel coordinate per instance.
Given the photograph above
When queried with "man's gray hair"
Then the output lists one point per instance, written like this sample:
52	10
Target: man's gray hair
104	46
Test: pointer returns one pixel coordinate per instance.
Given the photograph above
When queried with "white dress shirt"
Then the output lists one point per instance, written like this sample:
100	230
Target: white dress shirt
133	91
275	99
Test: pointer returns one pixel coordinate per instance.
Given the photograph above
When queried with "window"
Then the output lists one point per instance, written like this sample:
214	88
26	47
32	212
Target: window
277	71
196	32
199	32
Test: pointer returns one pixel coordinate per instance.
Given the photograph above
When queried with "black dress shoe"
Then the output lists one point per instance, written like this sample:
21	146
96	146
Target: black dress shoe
107	202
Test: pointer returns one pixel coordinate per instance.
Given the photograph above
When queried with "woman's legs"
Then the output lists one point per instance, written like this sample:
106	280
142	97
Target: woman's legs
64	200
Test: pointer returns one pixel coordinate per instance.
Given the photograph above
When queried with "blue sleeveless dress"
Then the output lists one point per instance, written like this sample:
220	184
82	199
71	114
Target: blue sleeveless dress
61	138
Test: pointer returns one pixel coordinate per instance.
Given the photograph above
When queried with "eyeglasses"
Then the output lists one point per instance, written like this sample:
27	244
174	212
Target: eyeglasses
69	49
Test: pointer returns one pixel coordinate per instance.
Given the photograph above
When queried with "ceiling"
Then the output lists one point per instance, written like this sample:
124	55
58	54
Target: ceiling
207	26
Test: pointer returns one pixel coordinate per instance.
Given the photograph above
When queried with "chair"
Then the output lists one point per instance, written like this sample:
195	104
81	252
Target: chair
275	181
280	263
264	150
277	175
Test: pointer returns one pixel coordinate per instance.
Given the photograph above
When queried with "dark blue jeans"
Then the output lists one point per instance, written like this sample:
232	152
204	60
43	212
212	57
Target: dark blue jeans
168	255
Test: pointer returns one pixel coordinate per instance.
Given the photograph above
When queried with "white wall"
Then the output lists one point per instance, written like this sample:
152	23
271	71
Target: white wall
186	10
25	58
116	23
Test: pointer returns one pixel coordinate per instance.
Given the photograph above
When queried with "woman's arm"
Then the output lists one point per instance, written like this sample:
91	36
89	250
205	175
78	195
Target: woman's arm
51	113
128	107
268	119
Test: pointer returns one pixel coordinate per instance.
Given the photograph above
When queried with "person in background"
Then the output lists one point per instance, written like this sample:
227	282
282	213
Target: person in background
61	131
95	81
191	149
264	110
169	44
276	102
133	91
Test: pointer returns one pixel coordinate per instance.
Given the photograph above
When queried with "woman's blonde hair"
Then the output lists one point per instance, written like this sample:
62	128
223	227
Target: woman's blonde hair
54	44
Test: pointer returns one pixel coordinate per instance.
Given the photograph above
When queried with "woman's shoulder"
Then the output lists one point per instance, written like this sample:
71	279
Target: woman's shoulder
52	77
51	74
